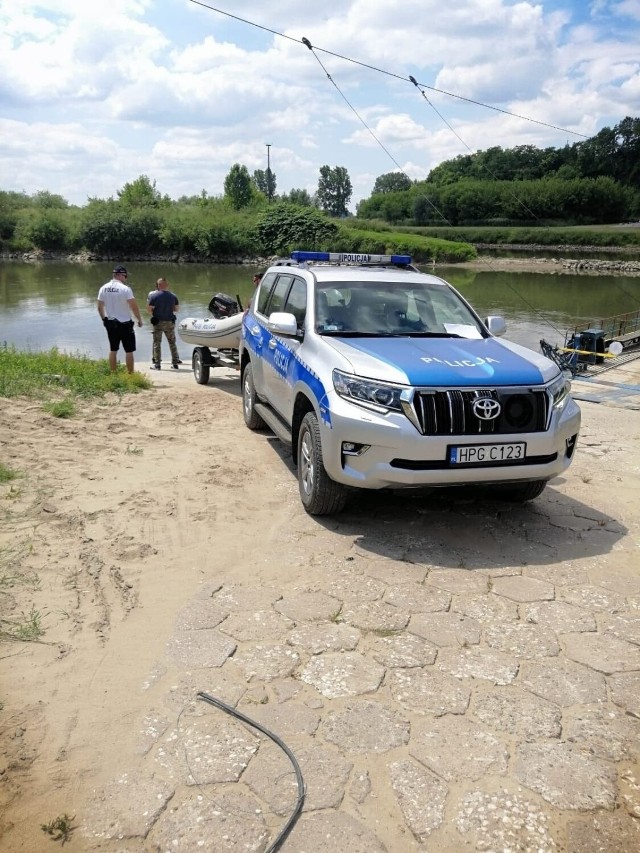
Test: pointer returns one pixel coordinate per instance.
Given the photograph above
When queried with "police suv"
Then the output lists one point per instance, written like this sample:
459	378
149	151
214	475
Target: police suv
380	376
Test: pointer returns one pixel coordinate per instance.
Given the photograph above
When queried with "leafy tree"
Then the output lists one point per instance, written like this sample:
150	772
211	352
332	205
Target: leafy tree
284	227
298	196
265	182
237	186
47	200
141	193
334	190
391	182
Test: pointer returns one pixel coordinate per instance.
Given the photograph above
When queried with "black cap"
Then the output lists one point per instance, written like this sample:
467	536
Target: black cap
121	269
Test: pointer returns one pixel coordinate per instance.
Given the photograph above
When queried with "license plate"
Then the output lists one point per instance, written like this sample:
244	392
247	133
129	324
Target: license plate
483	454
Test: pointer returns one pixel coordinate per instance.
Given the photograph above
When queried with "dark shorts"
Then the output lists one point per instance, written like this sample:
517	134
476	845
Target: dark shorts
121	333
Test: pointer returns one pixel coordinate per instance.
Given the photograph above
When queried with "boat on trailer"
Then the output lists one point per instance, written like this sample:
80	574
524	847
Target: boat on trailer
216	339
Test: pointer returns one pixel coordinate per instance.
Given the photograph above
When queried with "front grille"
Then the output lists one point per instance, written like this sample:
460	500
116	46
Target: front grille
451	412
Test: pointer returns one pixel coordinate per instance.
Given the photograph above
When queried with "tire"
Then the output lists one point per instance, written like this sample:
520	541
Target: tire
251	418
320	495
201	370
521	493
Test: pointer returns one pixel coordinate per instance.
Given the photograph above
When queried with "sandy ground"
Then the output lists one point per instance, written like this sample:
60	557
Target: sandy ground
130	516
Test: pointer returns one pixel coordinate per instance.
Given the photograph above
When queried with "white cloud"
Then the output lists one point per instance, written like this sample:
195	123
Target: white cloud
95	94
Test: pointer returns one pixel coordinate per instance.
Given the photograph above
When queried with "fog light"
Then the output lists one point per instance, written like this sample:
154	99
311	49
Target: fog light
571	445
350	448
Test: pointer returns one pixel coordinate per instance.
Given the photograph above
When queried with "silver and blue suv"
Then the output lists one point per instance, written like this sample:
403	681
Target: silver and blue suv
380	376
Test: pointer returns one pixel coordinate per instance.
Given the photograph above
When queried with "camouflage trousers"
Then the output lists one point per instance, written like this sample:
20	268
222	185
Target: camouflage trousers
167	328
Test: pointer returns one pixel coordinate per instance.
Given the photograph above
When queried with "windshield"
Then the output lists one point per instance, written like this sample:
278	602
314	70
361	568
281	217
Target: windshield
391	309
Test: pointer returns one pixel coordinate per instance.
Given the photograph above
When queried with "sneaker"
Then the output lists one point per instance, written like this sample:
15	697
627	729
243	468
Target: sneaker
175	365
155	366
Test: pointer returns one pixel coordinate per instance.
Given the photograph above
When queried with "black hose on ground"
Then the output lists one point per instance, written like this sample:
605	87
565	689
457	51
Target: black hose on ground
228	709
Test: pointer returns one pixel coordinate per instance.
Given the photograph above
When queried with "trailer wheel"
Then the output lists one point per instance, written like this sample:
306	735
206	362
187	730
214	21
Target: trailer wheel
201	369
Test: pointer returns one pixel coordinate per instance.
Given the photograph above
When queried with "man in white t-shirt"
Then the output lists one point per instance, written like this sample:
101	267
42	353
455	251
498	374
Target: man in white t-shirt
116	303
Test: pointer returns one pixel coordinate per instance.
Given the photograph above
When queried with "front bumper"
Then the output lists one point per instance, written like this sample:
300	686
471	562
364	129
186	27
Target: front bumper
398	456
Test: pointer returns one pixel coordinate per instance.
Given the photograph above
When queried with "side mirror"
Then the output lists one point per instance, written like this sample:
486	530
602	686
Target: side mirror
496	325
281	323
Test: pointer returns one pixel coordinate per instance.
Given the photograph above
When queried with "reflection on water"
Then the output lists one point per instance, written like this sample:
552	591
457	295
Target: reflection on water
54	304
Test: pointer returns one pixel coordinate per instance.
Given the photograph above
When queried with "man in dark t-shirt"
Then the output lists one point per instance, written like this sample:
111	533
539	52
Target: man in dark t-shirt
163	305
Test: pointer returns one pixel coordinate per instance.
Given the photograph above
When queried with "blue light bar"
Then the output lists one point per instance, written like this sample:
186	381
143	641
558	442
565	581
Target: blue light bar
349	258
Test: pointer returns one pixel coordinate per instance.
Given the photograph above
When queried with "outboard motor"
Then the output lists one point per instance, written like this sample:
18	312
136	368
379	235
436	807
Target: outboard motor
222	305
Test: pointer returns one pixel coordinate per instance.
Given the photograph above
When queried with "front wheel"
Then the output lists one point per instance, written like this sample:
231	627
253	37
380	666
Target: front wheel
201	370
522	492
320	494
251	418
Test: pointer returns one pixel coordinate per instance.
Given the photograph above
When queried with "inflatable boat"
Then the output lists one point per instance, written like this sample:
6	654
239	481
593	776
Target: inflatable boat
211	332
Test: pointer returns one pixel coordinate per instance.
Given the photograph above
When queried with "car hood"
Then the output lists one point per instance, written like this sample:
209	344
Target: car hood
444	362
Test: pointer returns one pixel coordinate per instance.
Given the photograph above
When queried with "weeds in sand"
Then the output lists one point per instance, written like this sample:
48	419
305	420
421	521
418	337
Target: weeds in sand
28	630
55	376
61	408
60	828
136	451
13	493
7	474
586	478
11	573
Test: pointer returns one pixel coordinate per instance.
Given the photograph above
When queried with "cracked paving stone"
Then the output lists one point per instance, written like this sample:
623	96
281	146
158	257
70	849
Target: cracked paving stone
603	653
458	581
266	662
563	682
288	720
352	587
126	807
206	750
485	607
503	821
522	640
564	575
446	629
559	616
360	786
421	797
366	726
625	691
327	832
519	713
334	637
238	597
375	616
342	674
233	821
309	607
476	662
200	614
403	650
271	777
154	725
257	626
523	589
565	776
183	695
603	833
413	598
203	648
630	791
428	691
624	627
605	732
457	749
593	598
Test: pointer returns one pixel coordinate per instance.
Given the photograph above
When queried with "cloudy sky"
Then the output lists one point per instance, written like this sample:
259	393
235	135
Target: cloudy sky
94	93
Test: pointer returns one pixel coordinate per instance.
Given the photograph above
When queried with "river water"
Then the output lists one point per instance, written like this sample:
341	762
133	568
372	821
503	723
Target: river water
53	304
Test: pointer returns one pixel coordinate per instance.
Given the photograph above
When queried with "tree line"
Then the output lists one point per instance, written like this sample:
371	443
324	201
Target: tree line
596	181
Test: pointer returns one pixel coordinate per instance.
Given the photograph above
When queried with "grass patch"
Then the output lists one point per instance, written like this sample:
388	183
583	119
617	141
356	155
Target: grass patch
7	474
60	828
60	379
27	630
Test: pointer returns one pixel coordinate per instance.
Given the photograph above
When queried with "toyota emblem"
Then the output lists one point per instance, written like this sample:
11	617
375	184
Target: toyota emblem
486	409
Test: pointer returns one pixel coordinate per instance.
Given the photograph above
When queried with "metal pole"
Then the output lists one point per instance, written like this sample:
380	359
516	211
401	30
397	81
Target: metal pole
268	144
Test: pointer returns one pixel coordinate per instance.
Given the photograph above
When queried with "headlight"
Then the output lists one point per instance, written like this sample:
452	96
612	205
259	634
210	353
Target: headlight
559	391
365	392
